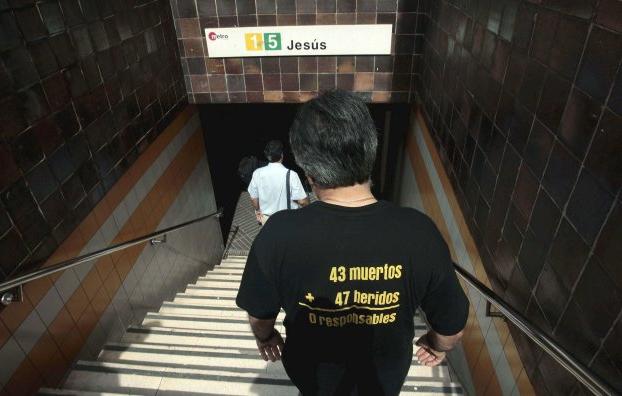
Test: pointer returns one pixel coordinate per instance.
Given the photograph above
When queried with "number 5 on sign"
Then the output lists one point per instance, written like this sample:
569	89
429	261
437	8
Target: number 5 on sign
253	41
272	41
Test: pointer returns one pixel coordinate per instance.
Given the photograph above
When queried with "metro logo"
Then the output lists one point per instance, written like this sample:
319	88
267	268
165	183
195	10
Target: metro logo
262	42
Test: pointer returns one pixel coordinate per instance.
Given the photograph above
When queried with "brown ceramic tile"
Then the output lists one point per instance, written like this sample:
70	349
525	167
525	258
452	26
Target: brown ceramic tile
253	82
286	20
200	83
271	82
381	97
291	97
217	83
326	82
327	64
345	64
346	6
289	82
254	97
247	20
382	81
193	47
326	19
308	82
609	14
367	18
266	20
289	64
252	65
233	65
273	96
346	19
345	81
308	64
305	19
189	27
270	65
25	380
363	81
235	83
215	66
364	63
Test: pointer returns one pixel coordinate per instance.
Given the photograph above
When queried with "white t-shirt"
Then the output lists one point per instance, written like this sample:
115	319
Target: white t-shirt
268	184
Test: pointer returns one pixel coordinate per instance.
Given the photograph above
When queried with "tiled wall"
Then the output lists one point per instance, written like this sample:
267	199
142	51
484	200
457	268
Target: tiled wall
70	315
486	362
525	102
85	87
296	79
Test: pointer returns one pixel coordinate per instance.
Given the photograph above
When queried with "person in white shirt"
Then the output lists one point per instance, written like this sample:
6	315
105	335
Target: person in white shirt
268	187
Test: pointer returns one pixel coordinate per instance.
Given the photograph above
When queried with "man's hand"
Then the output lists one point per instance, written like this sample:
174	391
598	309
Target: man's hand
271	348
426	355
258	215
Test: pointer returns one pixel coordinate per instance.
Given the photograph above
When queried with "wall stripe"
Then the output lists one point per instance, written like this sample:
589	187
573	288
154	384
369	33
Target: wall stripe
487	345
75	302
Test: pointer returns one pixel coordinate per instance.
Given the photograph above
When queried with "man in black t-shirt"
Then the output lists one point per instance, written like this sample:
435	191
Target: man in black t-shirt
348	270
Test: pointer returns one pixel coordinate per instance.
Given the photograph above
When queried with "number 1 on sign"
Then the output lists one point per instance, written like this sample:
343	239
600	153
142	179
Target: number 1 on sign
253	42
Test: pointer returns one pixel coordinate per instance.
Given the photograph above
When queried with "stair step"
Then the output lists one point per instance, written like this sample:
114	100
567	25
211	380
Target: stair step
226	271
214	284
210	359
211	292
187	337
99	376
236	258
71	392
184	298
138	378
215	276
203	322
231	264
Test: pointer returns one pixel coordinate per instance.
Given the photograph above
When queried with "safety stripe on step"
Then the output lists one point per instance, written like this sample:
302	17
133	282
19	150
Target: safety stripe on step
199	307
195	287
432	389
202	334
124	348
169	374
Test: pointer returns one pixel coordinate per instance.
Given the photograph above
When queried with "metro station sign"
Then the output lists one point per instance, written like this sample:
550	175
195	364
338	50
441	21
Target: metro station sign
299	40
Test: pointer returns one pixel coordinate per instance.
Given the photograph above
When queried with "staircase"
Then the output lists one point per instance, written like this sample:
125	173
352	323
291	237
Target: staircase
200	343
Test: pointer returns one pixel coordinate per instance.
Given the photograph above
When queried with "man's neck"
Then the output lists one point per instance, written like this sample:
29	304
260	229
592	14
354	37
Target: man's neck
351	196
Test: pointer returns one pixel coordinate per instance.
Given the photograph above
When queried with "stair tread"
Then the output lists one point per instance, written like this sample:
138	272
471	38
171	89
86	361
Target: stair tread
154	376
201	341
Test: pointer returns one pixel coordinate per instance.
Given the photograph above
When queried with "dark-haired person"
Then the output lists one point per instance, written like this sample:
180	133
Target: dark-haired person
268	186
349	270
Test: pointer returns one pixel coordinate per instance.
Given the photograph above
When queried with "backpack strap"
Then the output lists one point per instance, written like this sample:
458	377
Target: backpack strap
289	194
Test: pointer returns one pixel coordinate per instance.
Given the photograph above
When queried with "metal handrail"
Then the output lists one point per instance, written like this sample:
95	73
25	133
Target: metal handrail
561	356
232	234
64	265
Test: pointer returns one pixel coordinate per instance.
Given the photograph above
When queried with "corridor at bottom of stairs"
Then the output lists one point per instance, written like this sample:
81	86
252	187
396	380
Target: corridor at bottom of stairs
201	343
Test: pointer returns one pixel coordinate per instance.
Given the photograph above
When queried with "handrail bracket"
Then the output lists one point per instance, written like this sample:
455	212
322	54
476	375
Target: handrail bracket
12	295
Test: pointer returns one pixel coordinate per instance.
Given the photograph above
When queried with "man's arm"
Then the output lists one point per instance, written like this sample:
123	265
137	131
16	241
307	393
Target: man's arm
255	202
269	340
434	346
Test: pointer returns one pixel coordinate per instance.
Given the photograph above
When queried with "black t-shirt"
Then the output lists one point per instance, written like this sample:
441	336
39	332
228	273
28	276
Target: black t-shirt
350	280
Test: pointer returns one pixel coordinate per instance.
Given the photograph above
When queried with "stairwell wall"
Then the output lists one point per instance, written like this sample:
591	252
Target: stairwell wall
523	101
71	314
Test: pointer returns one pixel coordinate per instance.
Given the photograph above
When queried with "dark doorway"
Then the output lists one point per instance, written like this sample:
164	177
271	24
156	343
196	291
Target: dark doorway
233	131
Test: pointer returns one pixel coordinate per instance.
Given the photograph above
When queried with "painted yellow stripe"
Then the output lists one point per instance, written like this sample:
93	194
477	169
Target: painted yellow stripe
501	327
473	334
348	308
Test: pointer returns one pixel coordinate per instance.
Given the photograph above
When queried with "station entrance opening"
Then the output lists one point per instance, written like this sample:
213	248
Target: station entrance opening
235	131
